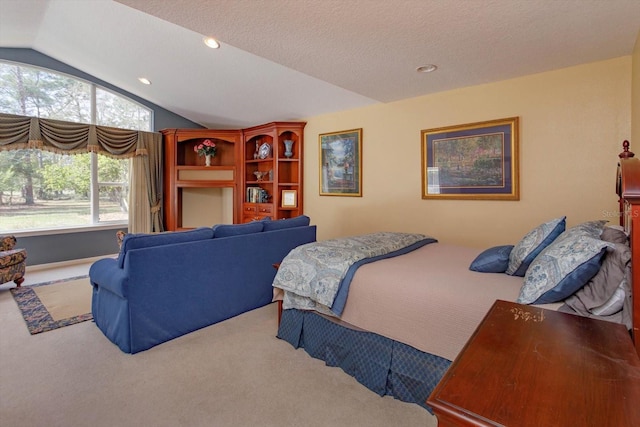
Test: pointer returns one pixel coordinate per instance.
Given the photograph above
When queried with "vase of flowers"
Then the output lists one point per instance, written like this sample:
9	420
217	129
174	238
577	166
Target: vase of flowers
207	149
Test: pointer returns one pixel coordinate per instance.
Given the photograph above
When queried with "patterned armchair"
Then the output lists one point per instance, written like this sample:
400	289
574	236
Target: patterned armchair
13	262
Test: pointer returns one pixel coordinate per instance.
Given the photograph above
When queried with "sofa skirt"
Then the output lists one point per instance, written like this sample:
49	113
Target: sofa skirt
111	315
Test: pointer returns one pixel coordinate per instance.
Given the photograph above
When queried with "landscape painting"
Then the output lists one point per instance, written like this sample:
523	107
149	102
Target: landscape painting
341	163
473	161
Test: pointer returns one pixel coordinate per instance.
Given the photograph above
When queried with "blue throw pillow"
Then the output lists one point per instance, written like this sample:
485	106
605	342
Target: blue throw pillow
229	230
492	260
561	269
532	244
299	221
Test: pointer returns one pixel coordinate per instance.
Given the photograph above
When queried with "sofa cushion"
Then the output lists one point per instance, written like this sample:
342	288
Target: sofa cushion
299	221
229	230
143	240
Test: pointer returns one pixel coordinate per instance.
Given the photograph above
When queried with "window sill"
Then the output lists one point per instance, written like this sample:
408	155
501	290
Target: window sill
68	230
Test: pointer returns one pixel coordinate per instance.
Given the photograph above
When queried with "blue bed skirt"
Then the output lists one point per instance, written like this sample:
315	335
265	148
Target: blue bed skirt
384	366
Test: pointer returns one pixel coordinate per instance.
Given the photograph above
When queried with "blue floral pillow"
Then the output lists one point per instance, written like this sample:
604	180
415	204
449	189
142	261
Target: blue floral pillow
562	268
492	260
532	244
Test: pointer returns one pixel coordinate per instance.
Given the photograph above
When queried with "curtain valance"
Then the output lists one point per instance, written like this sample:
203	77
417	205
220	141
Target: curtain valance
19	132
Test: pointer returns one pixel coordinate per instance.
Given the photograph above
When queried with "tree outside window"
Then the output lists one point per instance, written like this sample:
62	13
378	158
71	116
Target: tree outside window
45	190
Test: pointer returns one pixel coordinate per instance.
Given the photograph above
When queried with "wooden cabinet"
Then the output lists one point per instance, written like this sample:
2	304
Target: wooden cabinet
188	182
245	182
256	211
272	165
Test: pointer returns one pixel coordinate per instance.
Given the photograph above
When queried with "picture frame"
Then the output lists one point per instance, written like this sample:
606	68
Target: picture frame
341	163
289	199
474	161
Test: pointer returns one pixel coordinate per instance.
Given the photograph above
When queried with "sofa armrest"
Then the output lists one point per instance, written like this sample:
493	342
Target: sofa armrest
106	274
12	257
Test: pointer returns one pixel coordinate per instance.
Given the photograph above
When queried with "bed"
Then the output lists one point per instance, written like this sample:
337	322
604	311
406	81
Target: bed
405	311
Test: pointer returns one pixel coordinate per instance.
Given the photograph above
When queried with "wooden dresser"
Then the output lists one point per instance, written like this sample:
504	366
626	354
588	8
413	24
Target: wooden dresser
527	366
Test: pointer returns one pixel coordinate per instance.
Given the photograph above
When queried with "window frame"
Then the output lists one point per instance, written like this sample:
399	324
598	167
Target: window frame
95	184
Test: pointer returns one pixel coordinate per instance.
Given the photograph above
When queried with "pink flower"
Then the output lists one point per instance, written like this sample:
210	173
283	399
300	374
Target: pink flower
206	148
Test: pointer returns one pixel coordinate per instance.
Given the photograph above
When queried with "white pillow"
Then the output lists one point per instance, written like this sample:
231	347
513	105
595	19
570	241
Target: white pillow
613	304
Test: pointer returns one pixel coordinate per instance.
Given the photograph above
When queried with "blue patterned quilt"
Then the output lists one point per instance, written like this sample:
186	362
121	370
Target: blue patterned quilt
316	276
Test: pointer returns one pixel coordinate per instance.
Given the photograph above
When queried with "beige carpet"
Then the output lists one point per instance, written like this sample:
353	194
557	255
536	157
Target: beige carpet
66	299
232	374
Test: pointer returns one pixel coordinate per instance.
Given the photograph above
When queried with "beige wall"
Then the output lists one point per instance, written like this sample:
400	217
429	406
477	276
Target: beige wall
572	124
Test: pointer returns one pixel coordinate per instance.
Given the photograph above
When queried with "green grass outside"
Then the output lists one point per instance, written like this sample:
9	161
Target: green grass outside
55	213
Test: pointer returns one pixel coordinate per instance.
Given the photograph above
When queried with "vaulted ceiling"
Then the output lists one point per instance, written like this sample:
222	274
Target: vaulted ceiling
291	59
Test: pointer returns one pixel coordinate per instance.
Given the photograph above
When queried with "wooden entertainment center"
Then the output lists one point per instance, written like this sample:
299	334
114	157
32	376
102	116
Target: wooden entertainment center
256	173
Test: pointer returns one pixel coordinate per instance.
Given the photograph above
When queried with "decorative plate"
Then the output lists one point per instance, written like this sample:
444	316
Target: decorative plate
264	151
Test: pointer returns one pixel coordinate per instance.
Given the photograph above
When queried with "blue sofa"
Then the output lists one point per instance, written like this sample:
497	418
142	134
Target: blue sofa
165	285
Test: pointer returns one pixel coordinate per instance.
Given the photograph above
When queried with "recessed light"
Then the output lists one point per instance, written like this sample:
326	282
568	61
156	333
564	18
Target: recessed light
427	68
144	80
211	42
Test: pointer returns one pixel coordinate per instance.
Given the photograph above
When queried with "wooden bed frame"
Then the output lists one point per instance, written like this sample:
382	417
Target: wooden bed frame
628	189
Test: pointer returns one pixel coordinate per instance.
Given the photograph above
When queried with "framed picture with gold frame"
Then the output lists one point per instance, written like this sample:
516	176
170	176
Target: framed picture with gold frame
341	163
471	161
289	199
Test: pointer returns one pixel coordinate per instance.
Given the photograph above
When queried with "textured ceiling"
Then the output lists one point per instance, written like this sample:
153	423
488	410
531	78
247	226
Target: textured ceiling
290	59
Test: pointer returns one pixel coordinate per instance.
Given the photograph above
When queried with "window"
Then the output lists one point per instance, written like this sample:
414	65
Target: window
117	111
45	190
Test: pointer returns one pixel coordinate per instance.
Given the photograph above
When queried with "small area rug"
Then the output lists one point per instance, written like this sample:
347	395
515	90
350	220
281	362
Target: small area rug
52	305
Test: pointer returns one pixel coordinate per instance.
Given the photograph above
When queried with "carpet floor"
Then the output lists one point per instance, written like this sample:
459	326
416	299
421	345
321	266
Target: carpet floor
232	374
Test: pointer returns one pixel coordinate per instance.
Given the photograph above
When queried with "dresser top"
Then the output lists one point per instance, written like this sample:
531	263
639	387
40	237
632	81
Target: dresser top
528	366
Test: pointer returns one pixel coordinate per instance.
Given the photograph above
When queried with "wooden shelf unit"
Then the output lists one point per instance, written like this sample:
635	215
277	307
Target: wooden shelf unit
233	168
185	170
286	172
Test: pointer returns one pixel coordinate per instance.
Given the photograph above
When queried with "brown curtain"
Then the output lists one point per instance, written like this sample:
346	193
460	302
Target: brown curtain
20	132
145	213
153	169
